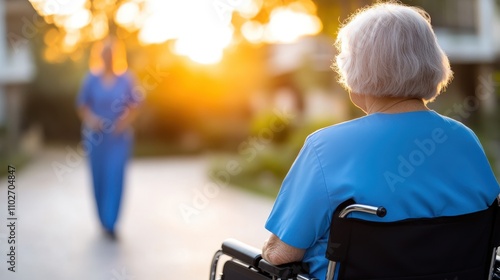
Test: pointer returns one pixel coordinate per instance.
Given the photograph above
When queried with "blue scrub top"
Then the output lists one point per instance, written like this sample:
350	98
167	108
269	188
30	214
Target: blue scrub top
416	164
109	102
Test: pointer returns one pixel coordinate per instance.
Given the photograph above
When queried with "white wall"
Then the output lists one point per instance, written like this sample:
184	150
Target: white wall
16	65
481	47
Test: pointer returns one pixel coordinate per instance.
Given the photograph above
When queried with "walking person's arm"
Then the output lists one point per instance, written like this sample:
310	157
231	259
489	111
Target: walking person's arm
88	118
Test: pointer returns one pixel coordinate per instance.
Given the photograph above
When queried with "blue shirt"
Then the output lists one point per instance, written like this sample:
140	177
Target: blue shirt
109	102
415	164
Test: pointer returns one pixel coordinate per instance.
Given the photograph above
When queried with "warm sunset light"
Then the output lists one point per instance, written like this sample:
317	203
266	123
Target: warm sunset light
57	7
126	14
195	49
200	30
78	20
253	31
98	27
199	33
249	8
287	25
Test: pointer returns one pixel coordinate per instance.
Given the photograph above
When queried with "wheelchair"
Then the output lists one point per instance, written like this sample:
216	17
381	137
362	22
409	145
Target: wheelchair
460	247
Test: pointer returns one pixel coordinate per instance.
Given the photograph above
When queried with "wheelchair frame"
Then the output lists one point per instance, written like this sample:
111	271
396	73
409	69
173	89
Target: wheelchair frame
250	258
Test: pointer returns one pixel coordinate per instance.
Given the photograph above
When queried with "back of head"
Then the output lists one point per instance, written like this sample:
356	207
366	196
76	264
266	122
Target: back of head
391	50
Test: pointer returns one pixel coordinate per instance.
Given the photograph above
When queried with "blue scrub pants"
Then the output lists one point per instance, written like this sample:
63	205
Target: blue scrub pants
108	158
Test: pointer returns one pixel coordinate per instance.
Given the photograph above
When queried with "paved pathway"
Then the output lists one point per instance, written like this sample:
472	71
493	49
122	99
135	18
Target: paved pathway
173	220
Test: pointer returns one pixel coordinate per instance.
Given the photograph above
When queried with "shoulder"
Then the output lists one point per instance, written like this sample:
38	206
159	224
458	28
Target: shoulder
128	77
456	128
453	123
90	78
341	130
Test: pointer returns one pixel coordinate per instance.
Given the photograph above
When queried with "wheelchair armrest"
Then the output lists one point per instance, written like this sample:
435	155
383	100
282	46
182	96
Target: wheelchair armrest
252	256
241	251
284	271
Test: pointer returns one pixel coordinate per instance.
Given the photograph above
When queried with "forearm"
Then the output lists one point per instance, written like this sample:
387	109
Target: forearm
88	118
277	252
82	112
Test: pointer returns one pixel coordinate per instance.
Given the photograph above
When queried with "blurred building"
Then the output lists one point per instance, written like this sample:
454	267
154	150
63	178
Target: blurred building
302	81
468	31
18	25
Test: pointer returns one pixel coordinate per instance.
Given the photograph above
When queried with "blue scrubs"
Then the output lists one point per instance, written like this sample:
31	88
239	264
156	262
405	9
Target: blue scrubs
416	164
108	151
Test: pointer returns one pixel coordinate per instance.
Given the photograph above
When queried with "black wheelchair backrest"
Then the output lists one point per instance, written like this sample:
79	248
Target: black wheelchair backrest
458	247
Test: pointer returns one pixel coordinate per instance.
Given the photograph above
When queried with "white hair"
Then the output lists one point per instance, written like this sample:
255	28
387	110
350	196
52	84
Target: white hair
391	50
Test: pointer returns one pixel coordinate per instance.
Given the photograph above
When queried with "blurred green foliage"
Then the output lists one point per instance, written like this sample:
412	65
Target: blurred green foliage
265	170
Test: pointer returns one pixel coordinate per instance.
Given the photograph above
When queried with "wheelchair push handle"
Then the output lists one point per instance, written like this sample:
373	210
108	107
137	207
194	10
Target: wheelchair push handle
378	211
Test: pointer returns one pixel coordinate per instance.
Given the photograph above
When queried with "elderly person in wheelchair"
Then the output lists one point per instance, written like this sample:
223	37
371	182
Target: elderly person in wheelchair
429	172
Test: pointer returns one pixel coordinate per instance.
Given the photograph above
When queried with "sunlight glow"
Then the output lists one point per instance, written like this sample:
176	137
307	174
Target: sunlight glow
79	19
249	8
205	46
205	55
70	41
158	29
199	29
57	7
287	25
126	14
253	31
99	27
51	36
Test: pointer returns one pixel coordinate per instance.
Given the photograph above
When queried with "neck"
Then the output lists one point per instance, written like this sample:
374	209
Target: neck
389	105
108	72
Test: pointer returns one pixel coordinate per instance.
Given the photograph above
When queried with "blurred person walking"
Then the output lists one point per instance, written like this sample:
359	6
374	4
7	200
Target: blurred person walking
107	107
